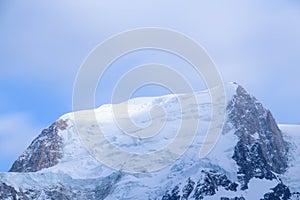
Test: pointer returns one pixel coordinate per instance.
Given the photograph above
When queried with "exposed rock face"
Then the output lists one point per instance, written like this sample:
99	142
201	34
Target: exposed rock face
210	181
261	149
280	192
45	151
207	185
7	192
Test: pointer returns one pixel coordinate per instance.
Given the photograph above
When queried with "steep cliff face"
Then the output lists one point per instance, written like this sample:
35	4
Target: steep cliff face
44	152
261	150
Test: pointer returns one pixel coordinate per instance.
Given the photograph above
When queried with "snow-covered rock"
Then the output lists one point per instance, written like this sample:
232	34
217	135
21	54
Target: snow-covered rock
251	159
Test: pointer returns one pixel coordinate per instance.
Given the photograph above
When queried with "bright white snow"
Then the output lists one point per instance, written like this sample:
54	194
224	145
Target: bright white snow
292	176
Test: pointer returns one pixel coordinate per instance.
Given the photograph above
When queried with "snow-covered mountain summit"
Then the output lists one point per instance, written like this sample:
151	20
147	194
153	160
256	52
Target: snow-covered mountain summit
252	158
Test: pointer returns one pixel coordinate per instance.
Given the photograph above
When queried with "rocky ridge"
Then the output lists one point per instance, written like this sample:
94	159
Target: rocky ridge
261	150
44	152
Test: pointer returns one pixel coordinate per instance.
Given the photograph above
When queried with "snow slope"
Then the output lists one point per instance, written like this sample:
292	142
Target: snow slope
79	164
292	135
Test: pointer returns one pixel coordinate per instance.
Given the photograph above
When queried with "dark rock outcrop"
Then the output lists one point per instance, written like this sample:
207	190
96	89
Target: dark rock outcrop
187	189
7	191
207	185
210	181
261	149
44	152
280	192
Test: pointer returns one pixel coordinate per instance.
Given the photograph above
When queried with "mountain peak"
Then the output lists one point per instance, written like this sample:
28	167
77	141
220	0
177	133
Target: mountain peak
261	150
44	152
250	152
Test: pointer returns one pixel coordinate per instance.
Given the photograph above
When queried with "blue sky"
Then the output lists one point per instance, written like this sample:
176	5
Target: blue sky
43	43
